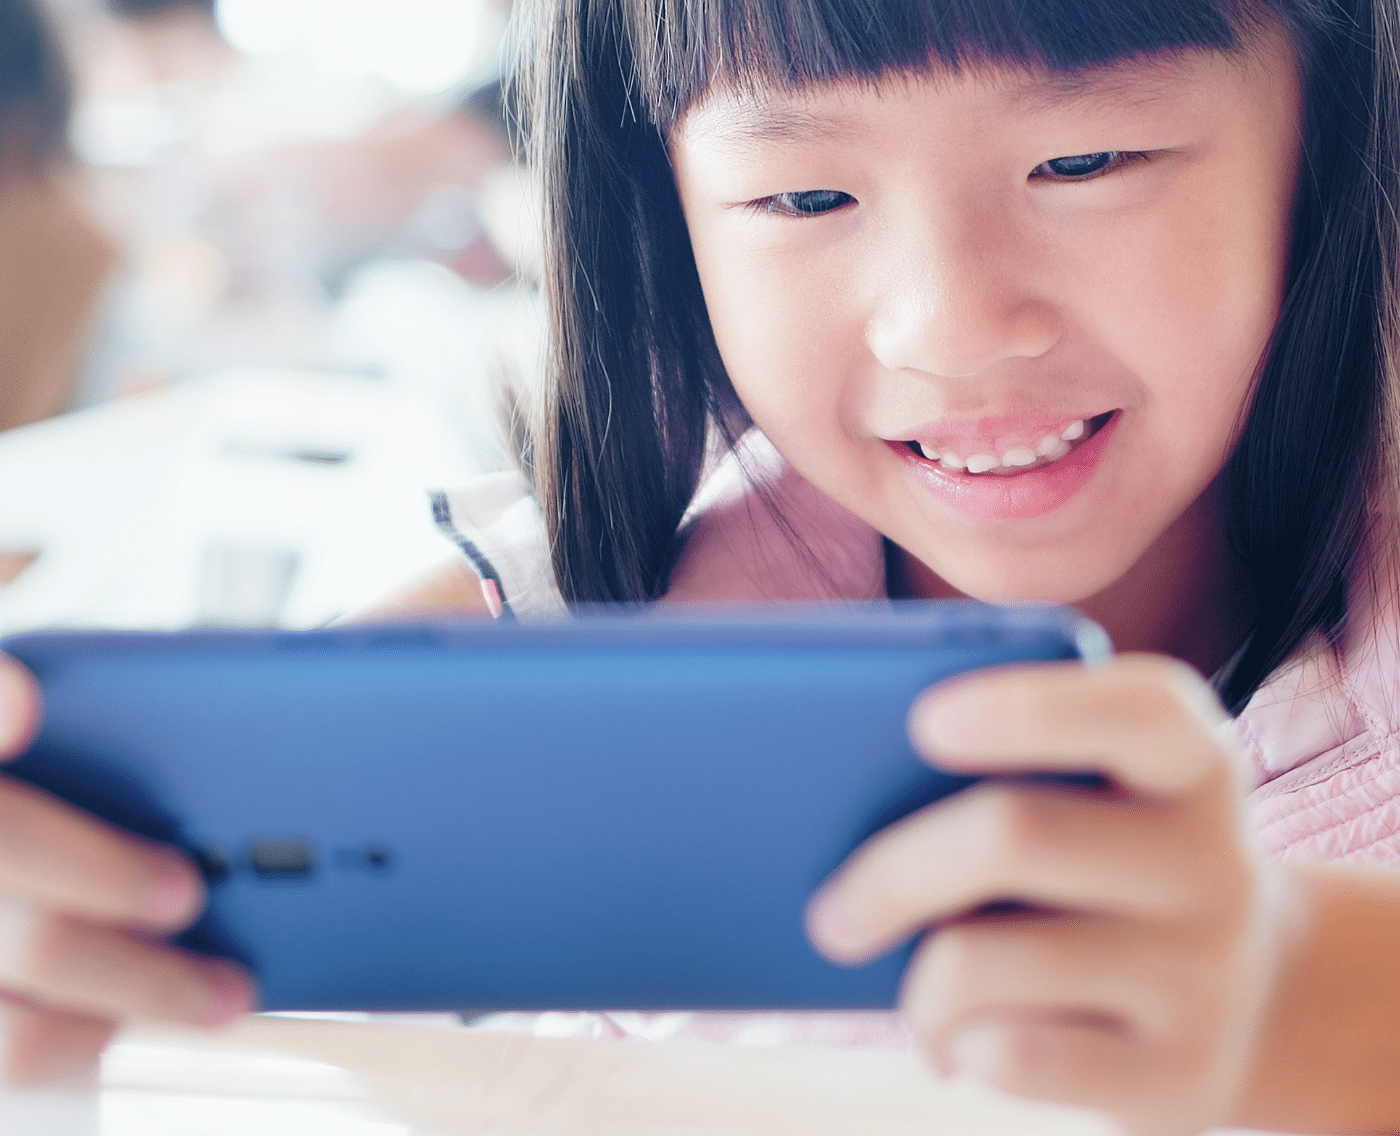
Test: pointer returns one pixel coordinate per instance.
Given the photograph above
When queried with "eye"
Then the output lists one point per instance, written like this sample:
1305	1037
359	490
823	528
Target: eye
805	203
1082	167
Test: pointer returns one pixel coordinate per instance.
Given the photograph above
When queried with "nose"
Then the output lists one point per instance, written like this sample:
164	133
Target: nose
957	299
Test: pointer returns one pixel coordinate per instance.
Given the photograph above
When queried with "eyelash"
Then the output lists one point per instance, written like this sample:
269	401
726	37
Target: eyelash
1118	159
775	204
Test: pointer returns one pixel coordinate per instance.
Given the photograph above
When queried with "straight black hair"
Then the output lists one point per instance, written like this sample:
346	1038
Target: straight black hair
636	390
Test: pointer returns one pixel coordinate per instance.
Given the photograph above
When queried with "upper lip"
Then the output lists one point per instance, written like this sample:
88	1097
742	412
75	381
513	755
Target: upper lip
993	435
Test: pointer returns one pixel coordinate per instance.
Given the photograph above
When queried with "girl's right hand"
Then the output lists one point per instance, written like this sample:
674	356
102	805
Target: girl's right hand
82	909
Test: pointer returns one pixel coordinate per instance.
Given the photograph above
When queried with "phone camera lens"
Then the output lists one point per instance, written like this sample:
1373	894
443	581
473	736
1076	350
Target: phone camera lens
281	859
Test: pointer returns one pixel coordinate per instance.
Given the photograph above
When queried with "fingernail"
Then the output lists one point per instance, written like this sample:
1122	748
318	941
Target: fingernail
171	892
229	995
941	718
831	926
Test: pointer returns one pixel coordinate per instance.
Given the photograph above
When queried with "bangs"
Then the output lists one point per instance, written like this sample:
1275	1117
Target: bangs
681	47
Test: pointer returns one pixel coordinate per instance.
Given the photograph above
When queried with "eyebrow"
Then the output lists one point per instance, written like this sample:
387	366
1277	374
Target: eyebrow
1123	82
754	121
748	122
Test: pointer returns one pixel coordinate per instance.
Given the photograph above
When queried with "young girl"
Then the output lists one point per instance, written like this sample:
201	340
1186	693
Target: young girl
1090	302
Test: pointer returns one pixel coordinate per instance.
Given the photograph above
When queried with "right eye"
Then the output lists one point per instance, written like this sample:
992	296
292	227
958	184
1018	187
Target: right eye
1081	165
805	203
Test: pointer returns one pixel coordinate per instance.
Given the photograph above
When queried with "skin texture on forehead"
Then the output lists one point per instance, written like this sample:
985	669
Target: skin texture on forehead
957	287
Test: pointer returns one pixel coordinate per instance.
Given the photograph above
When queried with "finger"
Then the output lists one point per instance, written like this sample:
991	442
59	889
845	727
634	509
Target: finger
1107	972
1033	844
19	707
68	964
1070	1061
1146	721
54	855
43	1046
1086	1011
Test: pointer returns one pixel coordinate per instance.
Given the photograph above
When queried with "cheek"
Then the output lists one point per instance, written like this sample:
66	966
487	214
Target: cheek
787	337
1190	308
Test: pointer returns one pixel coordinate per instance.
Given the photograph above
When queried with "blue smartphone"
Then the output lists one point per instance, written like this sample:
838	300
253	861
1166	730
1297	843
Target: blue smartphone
620	811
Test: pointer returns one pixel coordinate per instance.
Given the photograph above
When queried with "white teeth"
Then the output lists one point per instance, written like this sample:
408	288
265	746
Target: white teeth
1050	448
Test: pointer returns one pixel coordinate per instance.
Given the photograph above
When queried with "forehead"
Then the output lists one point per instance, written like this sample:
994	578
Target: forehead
841	111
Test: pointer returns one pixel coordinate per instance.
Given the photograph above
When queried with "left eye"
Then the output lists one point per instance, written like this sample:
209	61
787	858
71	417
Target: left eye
1079	166
806	202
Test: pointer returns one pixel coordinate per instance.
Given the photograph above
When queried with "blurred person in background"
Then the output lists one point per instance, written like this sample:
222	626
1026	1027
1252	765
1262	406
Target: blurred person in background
316	211
249	191
53	260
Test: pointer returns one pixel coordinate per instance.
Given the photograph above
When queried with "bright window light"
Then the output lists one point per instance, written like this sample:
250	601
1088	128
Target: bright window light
420	46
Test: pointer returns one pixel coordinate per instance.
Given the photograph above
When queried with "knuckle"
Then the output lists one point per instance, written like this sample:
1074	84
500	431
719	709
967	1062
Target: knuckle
1010	826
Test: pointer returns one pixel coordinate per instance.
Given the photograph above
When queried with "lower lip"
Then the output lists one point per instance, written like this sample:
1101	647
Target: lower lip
1017	496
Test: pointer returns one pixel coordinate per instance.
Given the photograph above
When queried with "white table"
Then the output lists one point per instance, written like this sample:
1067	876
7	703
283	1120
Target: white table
283	1077
245	497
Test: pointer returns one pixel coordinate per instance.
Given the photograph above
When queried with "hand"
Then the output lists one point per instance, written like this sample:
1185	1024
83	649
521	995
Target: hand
81	905
1134	975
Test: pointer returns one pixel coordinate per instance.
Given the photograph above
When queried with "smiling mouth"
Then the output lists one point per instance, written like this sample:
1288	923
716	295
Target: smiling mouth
1017	459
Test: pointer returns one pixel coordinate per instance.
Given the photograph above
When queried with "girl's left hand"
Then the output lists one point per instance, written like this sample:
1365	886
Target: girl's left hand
1134	975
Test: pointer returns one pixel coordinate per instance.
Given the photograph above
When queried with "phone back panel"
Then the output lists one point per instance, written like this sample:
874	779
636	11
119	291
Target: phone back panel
624	812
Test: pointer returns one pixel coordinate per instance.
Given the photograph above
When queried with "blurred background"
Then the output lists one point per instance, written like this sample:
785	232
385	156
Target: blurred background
266	277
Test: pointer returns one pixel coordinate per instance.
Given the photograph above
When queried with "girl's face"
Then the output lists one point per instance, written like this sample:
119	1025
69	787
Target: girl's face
1010	320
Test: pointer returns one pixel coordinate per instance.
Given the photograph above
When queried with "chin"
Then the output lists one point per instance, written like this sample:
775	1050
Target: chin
1069	581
